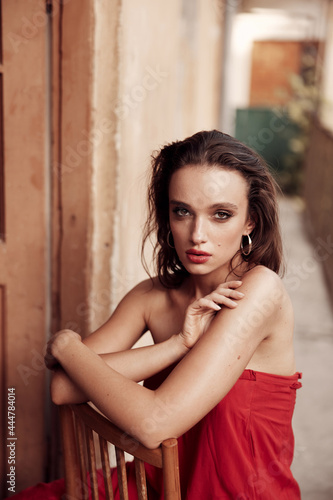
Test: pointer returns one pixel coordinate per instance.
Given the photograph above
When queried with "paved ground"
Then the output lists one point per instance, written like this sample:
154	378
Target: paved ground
313	419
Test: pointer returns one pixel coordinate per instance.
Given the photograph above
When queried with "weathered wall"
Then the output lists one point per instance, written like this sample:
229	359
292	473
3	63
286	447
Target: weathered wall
318	175
105	90
74	166
169	87
319	196
24	243
133	77
156	78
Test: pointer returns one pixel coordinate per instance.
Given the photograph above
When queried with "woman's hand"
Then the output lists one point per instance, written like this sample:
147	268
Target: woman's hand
200	313
56	344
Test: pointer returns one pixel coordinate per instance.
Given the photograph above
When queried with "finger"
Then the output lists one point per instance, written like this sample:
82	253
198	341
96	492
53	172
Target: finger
234	294
230	284
224	300
229	292
206	303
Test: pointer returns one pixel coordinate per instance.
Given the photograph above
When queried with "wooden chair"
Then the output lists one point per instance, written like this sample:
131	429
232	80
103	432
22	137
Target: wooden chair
78	424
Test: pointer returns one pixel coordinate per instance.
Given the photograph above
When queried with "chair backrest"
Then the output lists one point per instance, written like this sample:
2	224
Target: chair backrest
79	423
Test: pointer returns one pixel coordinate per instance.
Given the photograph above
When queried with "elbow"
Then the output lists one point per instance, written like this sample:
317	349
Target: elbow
152	441
149	441
153	425
151	438
148	438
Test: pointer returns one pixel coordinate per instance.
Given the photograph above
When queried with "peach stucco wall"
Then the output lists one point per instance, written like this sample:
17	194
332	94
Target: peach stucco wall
157	81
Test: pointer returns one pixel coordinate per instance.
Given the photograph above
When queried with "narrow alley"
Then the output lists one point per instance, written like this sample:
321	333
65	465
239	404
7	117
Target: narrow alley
313	418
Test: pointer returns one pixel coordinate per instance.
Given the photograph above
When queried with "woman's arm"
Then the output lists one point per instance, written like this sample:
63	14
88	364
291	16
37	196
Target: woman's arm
135	364
141	363
199	381
120	332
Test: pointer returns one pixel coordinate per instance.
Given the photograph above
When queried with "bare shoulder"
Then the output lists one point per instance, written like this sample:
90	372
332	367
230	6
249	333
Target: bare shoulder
129	320
144	287
150	293
263	278
266	287
148	287
261	273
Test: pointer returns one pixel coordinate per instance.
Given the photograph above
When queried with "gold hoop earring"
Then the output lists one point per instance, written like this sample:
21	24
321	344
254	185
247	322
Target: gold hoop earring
168	239
249	244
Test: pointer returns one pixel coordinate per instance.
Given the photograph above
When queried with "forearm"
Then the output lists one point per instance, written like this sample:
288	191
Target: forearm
135	364
106	388
64	390
141	363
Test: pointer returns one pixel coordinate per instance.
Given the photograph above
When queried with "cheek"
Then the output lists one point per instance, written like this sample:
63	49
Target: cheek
179	225
231	237
179	231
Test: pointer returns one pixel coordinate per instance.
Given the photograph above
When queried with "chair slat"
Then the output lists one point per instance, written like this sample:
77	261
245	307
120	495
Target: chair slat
71	459
112	433
82	451
140	477
121	471
92	463
171	469
103	444
79	449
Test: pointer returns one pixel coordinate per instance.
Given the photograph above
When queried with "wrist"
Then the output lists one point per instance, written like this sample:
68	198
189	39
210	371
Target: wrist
182	349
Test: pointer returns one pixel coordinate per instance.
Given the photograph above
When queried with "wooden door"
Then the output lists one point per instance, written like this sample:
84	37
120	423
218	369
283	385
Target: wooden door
25	240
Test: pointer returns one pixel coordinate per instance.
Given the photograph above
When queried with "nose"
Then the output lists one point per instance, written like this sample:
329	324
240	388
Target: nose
198	231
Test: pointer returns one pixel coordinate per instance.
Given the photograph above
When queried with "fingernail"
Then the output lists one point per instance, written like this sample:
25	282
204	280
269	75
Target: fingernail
241	294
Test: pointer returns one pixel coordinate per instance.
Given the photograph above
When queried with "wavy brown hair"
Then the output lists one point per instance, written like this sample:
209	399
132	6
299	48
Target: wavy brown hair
217	150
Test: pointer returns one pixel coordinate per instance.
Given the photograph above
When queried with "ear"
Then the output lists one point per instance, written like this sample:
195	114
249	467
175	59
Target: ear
250	225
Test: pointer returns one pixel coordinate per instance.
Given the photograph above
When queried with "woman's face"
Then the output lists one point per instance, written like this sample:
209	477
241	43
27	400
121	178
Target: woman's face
208	211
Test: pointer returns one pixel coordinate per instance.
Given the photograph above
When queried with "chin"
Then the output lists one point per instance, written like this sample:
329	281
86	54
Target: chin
198	269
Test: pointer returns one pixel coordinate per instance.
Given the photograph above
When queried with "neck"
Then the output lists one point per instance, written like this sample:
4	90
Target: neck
201	285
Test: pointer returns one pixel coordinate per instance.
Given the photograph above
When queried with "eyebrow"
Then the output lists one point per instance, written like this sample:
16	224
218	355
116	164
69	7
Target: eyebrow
223	204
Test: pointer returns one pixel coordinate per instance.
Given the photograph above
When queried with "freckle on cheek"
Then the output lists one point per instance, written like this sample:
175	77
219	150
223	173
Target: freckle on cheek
238	357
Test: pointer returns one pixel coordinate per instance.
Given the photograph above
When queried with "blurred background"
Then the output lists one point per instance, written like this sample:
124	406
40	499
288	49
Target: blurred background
88	89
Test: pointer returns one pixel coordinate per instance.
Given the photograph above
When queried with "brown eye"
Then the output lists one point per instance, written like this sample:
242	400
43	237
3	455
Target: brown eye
221	215
181	212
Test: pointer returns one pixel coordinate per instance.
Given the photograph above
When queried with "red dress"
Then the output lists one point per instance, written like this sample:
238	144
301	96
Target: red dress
241	450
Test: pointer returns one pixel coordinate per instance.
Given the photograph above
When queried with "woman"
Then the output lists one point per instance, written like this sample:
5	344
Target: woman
220	319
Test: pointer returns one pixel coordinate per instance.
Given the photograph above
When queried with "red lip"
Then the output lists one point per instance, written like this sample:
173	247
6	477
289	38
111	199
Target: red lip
197	256
193	251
